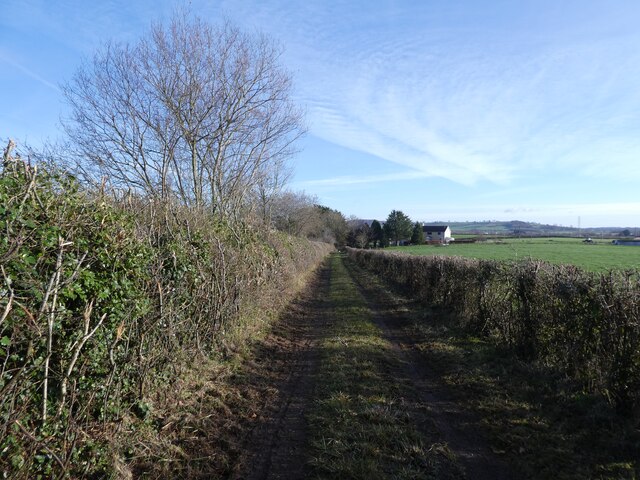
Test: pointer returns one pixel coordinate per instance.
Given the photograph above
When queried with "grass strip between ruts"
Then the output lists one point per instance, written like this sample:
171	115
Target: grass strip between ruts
363	422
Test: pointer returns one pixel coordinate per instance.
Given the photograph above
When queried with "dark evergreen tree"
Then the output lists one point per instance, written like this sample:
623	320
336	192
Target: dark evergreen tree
398	226
417	237
384	239
377	234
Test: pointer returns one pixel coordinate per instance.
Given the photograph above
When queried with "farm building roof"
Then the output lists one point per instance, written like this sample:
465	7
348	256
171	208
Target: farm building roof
434	228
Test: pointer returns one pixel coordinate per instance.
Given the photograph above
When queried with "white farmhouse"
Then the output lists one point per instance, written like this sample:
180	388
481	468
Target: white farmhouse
437	233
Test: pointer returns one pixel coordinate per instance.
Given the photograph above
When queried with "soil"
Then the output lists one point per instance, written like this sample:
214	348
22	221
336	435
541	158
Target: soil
275	448
285	365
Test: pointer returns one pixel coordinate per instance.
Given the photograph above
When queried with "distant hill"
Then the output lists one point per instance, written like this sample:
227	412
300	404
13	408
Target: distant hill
517	227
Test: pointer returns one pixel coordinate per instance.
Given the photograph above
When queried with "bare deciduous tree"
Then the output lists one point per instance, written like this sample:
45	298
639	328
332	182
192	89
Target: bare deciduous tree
300	214
192	111
293	212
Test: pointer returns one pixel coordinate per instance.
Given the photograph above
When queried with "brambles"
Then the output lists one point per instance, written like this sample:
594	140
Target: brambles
109	289
74	275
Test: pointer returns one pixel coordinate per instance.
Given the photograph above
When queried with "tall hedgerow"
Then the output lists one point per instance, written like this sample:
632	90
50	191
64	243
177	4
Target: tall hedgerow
73	283
104	301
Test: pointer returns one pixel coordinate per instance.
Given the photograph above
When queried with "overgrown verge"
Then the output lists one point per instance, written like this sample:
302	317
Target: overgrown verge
364	421
105	304
550	420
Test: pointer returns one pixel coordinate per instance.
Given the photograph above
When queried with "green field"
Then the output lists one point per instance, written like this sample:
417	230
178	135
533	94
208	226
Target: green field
598	256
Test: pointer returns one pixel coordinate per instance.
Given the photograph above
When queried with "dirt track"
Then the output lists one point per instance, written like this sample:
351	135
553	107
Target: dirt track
277	447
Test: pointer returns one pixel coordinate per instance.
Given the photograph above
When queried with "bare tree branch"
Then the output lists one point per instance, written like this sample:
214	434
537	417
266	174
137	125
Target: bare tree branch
192	111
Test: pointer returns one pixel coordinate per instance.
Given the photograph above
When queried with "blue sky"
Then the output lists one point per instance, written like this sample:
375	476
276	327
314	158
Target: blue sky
466	110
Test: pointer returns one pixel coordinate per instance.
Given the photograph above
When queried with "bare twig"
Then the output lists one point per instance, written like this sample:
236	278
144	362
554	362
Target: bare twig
9	305
54	284
112	361
42	444
33	173
87	334
7	158
76	270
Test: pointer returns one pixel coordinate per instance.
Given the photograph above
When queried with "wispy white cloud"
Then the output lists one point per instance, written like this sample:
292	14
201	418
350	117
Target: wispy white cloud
28	72
454	91
347	180
84	26
469	102
513	192
505	97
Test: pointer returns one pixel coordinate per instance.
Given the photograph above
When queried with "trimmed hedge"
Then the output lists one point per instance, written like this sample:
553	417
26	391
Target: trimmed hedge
583	324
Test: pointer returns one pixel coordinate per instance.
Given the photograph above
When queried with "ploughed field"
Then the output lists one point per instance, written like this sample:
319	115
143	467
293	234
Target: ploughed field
599	256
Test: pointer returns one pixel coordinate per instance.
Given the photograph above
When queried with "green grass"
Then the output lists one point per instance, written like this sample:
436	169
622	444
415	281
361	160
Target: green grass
597	257
361	425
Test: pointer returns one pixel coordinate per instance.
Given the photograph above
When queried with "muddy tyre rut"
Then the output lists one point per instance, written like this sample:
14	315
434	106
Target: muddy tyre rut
276	447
